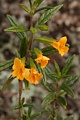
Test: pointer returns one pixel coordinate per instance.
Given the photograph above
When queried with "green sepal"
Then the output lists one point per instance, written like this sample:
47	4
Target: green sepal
48	50
67	66
43	27
57	68
10	79
49	98
37	51
6	64
44	40
70	80
33	30
67	89
14	22
25	8
26	83
47	15
23	47
16	29
62	101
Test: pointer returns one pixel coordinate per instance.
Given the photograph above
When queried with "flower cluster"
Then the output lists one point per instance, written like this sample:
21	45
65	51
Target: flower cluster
31	75
60	46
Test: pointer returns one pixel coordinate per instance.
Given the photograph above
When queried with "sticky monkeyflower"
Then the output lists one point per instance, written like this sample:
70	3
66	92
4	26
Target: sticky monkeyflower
43	60
18	69
33	76
60	45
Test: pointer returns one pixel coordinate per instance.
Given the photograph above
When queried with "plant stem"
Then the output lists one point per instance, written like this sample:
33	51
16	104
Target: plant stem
20	92
55	103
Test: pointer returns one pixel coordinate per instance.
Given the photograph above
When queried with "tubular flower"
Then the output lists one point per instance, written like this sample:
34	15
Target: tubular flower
19	68
60	46
33	76
43	60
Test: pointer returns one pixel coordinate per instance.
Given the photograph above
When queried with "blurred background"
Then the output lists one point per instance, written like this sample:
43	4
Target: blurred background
66	22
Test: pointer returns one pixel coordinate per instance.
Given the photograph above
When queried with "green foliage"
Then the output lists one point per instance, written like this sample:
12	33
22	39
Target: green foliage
62	101
47	15
43	27
49	98
25	8
6	64
33	30
67	66
14	23
16	29
10	79
44	40
67	89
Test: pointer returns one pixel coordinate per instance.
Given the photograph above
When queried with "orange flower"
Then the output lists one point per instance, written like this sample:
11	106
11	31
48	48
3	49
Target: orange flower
33	76
60	46
43	60
18	68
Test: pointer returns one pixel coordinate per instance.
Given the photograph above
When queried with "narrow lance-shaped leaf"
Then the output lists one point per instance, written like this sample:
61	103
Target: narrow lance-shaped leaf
10	79
6	65
62	101
25	8
48	50
67	89
36	3
67	66
70	80
57	68
16	29
44	40
14	22
49	98
47	15
6	62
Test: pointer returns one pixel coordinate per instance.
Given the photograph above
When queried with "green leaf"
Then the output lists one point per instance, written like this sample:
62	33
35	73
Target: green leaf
16	29
57	68
32	64
43	27
23	47
70	80
25	8
28	105
37	114
33	30
6	64
10	79
30	1
44	40
67	89
49	98
42	8
48	50
37	51
62	101
36	3
47	15
26	83
67	66
43	73
48	86
14	22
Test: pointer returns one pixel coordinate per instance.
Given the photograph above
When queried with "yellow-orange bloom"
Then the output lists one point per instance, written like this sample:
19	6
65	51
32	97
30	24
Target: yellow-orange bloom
43	60
33	76
60	46
19	68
